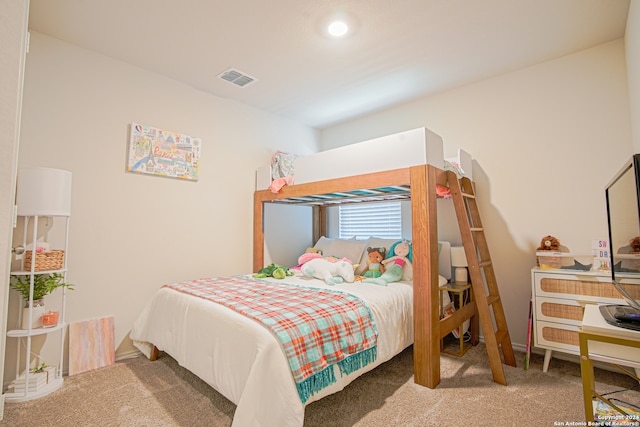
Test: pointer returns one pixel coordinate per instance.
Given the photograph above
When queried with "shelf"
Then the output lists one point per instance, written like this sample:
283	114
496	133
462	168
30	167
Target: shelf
26	273
21	396
20	333
41	192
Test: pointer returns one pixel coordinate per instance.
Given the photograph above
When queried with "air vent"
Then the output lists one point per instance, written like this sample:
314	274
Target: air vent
237	78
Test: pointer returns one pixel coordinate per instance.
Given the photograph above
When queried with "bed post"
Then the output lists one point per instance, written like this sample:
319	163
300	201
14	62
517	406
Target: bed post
258	232
426	318
319	221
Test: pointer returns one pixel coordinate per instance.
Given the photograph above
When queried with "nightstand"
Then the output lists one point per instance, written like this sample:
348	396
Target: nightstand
458	290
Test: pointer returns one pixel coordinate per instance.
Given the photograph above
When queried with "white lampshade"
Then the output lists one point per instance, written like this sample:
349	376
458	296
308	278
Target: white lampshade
458	257
459	260
43	192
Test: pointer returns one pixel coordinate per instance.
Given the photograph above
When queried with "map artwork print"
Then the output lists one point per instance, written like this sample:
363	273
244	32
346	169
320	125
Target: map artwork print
160	152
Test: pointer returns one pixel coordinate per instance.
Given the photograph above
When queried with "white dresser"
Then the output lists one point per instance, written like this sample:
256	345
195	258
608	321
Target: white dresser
559	297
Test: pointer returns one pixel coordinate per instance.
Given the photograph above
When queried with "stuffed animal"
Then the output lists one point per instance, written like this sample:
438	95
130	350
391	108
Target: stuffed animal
374	267
552	244
635	245
397	266
308	256
549	243
276	271
331	272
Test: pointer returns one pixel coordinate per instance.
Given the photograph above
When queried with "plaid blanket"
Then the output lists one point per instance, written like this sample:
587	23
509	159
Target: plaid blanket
317	328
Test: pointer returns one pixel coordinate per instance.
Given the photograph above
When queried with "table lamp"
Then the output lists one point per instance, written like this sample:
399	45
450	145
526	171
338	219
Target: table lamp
459	261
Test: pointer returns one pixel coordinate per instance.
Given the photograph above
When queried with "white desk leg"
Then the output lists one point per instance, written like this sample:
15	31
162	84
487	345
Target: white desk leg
547	359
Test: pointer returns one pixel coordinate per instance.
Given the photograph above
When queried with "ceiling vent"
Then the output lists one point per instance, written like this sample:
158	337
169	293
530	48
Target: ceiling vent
237	78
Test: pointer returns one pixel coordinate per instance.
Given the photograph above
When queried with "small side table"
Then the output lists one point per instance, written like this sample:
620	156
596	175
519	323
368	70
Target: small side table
458	289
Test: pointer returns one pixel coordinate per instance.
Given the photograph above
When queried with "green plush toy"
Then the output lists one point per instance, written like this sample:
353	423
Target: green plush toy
276	271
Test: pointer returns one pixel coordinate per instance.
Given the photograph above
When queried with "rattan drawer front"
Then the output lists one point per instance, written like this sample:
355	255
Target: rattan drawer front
561	336
562	311
584	288
559	310
557	336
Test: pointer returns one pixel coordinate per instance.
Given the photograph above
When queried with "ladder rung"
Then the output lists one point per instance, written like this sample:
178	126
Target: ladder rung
484	264
501	334
476	229
492	299
468	195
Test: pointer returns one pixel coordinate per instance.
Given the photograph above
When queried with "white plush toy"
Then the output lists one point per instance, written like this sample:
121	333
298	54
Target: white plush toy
331	272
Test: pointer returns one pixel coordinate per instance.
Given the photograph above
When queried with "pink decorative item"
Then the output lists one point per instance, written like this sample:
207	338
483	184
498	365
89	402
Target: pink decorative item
50	319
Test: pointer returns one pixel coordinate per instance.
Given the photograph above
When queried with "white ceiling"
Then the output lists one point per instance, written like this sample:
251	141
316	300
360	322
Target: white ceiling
399	50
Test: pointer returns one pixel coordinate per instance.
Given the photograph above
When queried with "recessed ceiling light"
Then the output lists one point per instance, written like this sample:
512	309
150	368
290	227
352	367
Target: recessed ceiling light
338	28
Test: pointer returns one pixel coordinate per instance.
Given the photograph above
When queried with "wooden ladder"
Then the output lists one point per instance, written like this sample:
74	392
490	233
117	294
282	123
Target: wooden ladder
483	280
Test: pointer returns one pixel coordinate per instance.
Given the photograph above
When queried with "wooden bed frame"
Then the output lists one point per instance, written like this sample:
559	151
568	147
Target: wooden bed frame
417	183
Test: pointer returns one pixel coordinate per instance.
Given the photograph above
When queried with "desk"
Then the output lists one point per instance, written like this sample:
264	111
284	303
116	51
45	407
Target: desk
617	346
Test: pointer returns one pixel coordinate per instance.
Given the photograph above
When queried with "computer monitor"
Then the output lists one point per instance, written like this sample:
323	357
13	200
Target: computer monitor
623	215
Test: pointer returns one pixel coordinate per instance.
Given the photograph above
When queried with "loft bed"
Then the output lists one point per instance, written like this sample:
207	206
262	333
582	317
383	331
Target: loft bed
407	165
245	362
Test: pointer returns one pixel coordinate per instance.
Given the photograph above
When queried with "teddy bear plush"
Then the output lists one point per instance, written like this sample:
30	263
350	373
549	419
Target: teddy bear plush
332	273
552	244
635	245
374	267
397	266
549	243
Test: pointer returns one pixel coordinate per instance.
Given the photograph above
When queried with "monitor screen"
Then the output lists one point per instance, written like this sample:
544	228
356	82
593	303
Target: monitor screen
623	214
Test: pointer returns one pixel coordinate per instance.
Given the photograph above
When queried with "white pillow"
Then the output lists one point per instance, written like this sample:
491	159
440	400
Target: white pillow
339	248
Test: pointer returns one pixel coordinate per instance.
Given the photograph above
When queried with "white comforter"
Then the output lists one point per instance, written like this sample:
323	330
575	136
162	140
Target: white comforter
242	360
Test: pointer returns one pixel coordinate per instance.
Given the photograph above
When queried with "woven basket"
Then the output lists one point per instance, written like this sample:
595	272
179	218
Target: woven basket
46	260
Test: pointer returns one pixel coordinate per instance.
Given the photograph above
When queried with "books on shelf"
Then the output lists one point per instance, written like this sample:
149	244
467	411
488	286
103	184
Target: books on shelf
36	380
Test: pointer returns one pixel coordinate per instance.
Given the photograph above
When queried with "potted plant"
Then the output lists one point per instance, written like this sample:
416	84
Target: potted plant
43	284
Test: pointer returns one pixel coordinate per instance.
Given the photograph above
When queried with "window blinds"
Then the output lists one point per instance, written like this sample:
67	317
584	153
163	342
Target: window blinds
362	220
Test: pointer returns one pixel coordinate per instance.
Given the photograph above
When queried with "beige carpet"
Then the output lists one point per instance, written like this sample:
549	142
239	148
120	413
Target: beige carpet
137	392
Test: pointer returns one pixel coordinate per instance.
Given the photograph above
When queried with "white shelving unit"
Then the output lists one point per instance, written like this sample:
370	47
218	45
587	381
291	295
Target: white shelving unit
42	193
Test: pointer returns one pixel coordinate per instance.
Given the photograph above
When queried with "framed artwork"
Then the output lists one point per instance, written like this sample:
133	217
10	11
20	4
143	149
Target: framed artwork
164	153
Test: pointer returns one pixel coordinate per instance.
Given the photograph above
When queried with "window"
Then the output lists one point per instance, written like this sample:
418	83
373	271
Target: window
362	220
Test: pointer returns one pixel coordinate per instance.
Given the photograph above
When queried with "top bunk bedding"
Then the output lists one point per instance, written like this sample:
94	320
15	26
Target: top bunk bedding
401	150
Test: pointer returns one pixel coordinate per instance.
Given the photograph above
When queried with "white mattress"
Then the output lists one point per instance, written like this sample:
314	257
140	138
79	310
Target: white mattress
401	150
244	362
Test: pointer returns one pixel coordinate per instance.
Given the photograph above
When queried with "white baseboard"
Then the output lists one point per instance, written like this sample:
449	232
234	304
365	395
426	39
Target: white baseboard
128	355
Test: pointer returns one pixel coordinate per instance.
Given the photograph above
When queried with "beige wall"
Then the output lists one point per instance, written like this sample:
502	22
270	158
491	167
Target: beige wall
130	233
632	44
545	141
